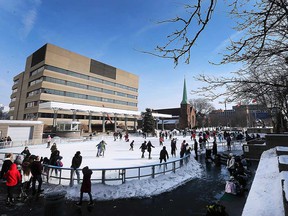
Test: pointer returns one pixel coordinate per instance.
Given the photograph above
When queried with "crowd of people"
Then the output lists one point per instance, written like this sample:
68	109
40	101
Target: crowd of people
26	169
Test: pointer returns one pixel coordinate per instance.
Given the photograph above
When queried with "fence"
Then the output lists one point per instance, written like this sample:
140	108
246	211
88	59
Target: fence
117	175
111	176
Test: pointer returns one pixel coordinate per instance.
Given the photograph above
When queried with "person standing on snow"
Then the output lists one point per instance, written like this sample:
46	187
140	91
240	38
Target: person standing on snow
13	177
86	185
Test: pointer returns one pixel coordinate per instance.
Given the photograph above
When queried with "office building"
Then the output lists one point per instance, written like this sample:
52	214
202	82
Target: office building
58	85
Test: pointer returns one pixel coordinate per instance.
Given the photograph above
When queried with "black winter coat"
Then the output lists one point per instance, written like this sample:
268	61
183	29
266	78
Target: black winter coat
76	161
5	167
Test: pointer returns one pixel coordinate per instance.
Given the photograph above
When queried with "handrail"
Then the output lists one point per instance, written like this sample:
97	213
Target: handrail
113	175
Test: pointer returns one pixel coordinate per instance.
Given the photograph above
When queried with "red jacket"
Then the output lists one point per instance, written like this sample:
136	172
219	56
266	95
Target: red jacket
13	176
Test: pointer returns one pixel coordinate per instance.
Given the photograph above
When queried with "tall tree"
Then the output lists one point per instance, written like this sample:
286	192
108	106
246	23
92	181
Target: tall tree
148	122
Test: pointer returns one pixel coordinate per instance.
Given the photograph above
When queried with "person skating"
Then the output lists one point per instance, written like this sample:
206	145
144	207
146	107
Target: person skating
131	146
86	185
143	147
163	155
149	148
76	163
173	147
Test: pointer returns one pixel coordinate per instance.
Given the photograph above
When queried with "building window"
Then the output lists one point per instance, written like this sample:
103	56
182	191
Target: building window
39	70
34	82
16	82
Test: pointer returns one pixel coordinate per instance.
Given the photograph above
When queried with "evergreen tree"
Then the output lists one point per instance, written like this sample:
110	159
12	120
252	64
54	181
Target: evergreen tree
148	122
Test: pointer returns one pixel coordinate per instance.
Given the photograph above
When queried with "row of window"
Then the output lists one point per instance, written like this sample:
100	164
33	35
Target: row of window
82	76
39	70
31	104
67	116
93	88
87	97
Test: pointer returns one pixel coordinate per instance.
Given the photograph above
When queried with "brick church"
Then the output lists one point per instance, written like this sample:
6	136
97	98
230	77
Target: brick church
183	117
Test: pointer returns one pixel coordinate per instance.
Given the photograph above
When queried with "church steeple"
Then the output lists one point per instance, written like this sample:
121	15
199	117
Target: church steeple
184	98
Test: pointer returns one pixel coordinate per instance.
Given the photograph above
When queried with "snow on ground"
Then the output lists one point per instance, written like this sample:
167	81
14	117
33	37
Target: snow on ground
265	196
264	199
117	154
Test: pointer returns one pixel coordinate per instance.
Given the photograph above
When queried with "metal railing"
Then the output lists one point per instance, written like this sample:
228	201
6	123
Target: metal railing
113	176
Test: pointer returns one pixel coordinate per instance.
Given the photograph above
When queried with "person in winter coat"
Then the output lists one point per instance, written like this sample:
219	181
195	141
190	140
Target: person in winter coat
26	180
49	139
173	147
196	148
76	163
163	155
149	148
54	157
228	140
86	185
6	165
231	164
214	148
143	147
36	171
26	153
131	145
13	177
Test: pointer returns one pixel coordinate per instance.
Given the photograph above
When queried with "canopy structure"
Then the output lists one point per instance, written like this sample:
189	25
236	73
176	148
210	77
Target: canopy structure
56	106
86	108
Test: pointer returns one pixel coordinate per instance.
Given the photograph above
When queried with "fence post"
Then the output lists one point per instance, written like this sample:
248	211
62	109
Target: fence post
103	176
60	170
153	171
173	167
123	175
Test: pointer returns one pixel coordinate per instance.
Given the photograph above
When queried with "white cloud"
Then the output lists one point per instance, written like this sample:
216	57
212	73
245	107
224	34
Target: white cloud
222	46
28	22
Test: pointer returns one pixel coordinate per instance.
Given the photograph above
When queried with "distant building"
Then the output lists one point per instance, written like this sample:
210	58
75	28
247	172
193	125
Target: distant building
58	84
183	117
251	115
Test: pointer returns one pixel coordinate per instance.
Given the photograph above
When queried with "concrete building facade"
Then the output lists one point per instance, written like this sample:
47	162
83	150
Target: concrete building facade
54	74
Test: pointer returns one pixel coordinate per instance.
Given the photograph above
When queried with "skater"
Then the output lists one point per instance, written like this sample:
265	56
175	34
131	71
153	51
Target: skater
36	171
149	148
86	185
76	163
163	155
131	146
48	141
173	147
143	147
13	177
228	140
101	148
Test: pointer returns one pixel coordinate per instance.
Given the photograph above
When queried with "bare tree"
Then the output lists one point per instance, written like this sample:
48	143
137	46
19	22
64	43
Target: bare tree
262	49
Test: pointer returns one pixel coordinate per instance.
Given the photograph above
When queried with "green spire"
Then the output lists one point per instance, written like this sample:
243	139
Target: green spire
184	98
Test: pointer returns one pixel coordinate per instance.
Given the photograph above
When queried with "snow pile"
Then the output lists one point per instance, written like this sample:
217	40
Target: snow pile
265	196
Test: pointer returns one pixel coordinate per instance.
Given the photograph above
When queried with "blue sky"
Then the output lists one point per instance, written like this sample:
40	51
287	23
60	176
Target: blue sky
112	31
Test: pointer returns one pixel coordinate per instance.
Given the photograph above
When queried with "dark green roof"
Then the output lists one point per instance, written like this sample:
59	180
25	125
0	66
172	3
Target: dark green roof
184	98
